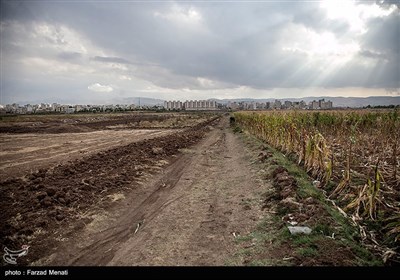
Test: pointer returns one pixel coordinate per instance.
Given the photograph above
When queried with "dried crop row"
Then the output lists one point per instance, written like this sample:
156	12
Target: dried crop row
353	155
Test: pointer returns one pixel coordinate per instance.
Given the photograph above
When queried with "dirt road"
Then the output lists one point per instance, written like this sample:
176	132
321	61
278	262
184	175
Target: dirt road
190	214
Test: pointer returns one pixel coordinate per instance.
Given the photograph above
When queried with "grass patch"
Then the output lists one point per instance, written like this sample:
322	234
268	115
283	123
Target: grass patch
307	252
302	239
324	229
345	229
364	257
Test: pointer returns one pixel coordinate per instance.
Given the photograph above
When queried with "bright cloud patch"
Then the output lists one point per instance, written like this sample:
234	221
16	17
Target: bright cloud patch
355	14
325	44
100	88
180	14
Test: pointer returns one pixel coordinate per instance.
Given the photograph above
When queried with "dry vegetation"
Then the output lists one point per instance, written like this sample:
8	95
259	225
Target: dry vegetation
353	157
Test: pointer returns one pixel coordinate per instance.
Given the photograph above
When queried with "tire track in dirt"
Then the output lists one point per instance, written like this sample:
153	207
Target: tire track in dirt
127	225
188	215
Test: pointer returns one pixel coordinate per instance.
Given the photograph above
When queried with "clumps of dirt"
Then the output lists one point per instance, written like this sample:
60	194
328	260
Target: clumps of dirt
284	183
36	206
330	253
310	212
295	210
306	214
322	252
285	186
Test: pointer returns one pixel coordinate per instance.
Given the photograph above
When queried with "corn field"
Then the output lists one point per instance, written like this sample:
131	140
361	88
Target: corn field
354	155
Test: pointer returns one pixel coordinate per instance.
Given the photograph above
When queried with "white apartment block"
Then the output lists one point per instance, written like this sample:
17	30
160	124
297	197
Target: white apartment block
173	105
191	105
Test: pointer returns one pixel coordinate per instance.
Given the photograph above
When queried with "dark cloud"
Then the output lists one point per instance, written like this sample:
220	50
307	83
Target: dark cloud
388	3
382	38
195	45
18	10
383	34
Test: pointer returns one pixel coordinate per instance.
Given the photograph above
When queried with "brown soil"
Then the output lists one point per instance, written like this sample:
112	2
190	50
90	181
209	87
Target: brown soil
44	203
330	254
188	213
22	153
54	124
73	125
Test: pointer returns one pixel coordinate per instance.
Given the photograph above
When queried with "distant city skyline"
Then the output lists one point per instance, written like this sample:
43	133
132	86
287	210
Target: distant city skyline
107	51
176	105
209	104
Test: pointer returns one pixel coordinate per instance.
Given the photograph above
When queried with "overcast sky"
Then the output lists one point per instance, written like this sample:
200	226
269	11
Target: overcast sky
109	51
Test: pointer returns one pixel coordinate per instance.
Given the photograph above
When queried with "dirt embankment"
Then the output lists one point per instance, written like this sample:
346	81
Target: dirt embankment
36	207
